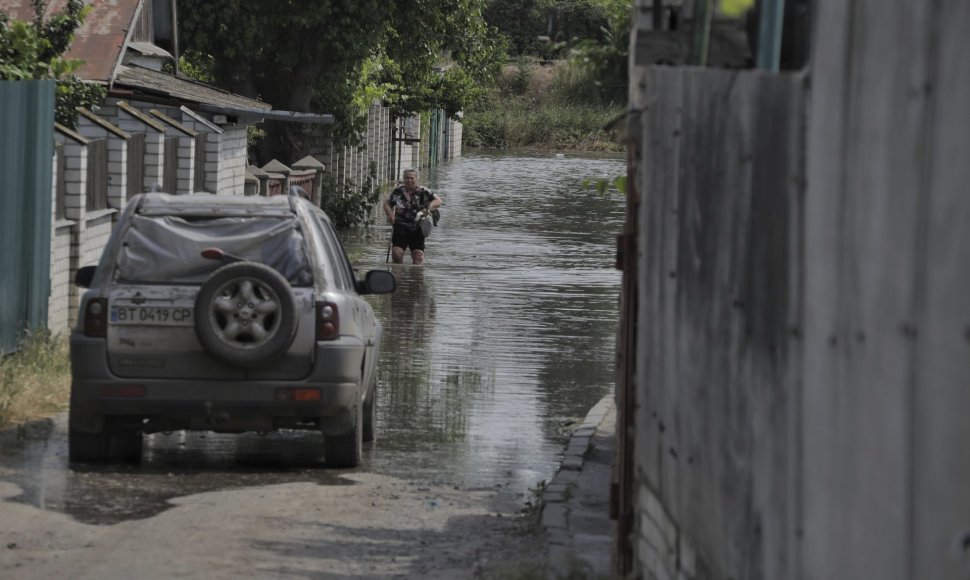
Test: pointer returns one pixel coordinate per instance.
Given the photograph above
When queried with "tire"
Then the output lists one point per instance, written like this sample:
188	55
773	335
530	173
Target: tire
370	416
87	447
245	314
345	450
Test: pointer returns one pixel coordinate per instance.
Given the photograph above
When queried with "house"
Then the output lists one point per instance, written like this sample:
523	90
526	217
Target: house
156	130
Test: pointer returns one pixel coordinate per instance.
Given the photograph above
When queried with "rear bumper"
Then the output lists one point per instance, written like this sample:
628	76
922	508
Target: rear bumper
231	405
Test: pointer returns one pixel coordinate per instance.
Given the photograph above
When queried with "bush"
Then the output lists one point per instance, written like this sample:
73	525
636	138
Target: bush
348	205
548	107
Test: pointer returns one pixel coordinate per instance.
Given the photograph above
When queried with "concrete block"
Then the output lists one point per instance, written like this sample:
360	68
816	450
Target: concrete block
572	462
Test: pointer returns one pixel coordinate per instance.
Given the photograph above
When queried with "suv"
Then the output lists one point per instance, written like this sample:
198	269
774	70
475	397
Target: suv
226	314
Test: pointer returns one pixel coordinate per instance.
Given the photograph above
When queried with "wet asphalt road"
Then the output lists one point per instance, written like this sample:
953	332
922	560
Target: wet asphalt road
491	350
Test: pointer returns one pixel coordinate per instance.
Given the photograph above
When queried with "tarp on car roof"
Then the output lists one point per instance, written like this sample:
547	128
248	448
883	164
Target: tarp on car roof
167	249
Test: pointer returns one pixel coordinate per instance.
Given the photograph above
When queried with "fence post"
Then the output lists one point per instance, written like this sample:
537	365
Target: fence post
310	162
275	166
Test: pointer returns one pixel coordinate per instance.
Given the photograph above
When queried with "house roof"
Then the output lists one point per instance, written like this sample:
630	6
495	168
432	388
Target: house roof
166	85
100	40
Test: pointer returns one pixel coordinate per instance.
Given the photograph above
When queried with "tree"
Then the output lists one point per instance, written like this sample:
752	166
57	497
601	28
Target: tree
609	56
30	51
322	55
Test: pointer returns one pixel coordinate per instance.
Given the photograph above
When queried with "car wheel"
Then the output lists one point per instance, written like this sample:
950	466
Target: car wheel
345	450
370	415
245	314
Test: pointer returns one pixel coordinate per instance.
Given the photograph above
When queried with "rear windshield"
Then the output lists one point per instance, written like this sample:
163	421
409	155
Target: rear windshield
167	249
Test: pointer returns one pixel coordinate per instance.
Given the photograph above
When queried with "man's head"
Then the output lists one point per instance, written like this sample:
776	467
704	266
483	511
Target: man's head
410	179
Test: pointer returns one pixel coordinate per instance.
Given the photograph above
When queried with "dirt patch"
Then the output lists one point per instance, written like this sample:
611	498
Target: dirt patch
285	522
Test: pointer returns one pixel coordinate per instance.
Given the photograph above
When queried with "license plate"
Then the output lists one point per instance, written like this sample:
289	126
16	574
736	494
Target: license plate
151	315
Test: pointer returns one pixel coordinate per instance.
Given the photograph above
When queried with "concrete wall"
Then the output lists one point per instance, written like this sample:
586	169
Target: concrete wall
803	327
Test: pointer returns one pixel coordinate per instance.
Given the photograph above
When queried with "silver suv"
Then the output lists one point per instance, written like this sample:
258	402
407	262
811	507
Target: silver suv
225	314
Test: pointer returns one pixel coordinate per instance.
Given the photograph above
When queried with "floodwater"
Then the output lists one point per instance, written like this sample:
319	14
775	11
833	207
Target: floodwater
492	349
507	334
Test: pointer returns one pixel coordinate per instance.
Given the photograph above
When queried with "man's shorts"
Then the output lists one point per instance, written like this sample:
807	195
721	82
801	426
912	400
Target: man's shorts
403	236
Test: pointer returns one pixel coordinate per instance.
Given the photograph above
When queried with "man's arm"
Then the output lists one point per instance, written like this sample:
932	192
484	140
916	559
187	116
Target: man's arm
435	200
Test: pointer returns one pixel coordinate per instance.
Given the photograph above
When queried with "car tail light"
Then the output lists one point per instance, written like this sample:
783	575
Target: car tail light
294	394
96	317
121	391
328	321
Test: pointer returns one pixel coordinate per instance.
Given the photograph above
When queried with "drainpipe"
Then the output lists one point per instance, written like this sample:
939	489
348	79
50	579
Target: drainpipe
769	34
703	14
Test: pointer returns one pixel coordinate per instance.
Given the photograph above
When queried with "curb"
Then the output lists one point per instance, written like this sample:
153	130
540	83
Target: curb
555	498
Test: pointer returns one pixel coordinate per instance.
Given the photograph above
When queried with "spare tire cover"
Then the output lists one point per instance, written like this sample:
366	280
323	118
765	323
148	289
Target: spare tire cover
245	314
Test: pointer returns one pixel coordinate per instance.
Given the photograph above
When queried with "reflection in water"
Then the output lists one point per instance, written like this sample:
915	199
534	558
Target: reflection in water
508	331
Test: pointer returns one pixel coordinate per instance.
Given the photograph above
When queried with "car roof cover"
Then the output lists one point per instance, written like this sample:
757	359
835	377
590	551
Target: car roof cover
166	247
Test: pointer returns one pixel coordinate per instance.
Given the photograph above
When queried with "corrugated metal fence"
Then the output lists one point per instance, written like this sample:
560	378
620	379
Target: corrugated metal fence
26	154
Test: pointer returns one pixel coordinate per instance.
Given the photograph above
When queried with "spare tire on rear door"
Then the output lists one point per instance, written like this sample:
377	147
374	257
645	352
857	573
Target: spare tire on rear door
245	314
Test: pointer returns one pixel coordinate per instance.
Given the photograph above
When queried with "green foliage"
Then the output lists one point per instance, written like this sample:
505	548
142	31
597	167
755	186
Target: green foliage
338	56
521	123
30	51
607	58
736	7
349	206
602	185
196	65
543	106
544	28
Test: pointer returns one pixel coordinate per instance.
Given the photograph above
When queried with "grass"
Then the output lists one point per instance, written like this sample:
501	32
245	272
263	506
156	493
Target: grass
35	381
543	106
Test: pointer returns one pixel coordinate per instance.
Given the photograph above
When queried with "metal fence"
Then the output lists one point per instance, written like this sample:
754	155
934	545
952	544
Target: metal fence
26	158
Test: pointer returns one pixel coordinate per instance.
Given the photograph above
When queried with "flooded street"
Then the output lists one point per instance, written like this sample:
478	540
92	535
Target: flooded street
492	351
507	333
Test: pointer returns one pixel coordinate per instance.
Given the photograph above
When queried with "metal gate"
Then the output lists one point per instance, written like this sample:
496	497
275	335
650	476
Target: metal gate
171	165
136	164
200	161
26	155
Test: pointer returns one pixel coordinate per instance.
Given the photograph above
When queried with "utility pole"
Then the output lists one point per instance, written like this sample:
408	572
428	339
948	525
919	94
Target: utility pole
703	15
769	34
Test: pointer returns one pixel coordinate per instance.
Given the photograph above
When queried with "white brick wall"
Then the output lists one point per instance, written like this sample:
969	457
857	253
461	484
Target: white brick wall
655	536
154	159
75	179
59	303
455	129
185	180
232	161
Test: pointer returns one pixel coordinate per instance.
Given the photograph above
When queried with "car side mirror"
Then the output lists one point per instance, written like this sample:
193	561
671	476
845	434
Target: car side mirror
377	282
84	276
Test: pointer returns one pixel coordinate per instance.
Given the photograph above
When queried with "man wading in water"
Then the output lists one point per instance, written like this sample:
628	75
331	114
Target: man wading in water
402	207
